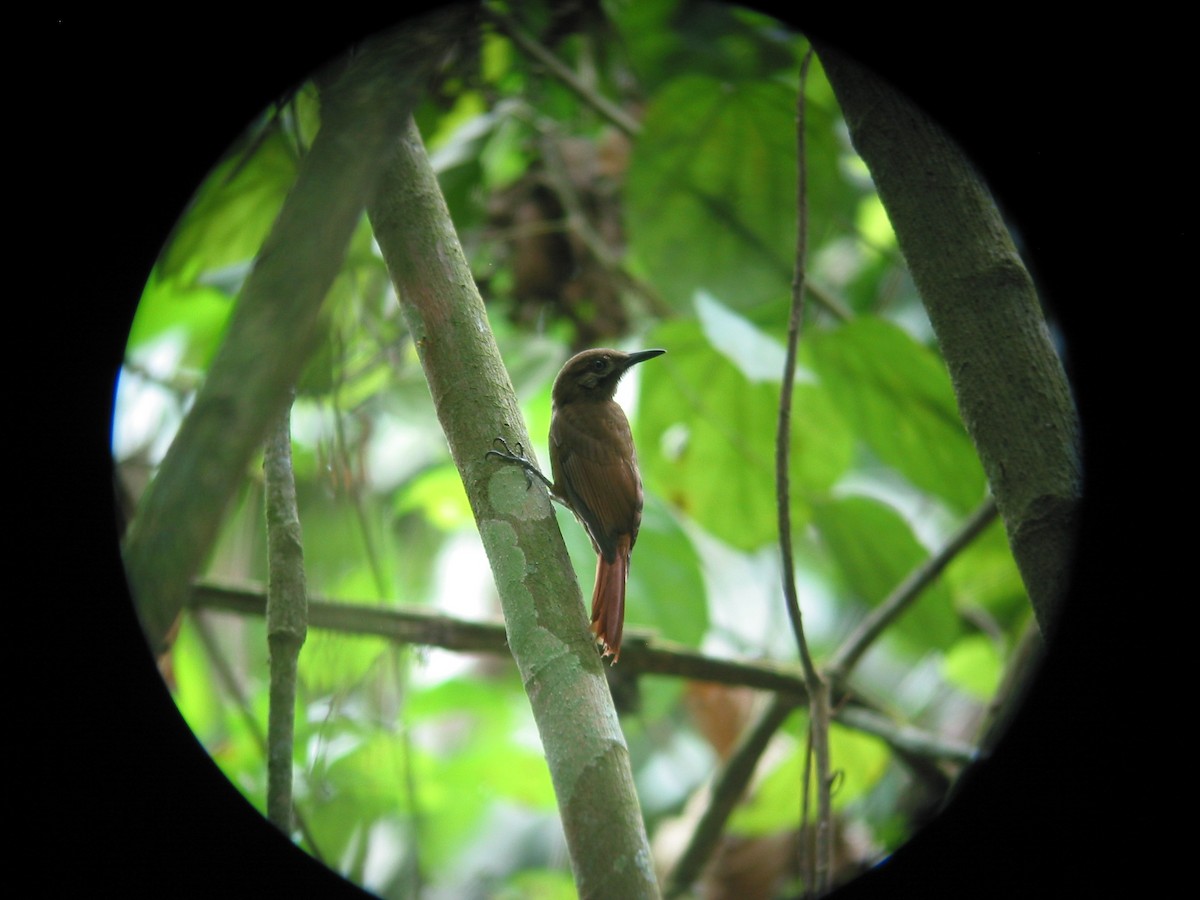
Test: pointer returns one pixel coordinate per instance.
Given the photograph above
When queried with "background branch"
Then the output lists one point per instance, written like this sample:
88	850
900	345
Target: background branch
415	625
562	71
912	741
273	328
641	654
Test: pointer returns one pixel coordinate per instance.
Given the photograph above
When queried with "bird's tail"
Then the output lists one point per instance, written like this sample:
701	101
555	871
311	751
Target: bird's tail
608	597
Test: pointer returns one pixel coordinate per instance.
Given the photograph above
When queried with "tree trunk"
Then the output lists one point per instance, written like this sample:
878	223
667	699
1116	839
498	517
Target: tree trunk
543	609
1011	388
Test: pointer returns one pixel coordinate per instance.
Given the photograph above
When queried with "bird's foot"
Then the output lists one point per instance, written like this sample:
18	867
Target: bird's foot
519	459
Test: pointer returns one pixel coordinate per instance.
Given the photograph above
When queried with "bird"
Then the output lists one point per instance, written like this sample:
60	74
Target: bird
595	474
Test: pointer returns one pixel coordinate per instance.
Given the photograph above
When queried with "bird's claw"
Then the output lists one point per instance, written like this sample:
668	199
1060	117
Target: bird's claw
520	459
508	452
509	456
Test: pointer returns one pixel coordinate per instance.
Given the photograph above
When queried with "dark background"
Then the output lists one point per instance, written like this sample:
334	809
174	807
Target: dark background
132	113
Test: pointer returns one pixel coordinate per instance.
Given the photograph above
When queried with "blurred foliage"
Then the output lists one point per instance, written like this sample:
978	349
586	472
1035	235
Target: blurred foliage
418	766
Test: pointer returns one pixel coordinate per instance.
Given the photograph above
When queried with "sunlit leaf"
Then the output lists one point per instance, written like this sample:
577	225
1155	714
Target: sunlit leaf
707	444
438	494
758	355
858	761
199	705
193	314
539	884
330	660
973	664
477	762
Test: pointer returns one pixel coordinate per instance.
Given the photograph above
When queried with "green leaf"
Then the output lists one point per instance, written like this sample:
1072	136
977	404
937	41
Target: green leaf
330	660
662	38
198	703
486	699
706	441
711	190
194	314
757	354
233	210
439	495
479	759
859	760
539	884
875	549
973	664
666	590
898	396
985	574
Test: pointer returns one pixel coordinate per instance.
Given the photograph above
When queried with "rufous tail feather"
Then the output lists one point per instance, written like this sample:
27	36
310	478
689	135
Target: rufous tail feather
608	599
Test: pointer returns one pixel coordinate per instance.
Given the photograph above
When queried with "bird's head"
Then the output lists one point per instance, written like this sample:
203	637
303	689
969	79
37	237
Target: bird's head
594	374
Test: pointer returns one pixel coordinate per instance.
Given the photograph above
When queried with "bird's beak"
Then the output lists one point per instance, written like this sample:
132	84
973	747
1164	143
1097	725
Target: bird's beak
642	356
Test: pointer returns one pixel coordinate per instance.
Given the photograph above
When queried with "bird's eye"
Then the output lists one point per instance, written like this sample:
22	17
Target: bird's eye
599	365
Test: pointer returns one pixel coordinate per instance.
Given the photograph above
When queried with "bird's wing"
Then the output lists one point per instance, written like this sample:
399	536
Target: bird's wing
600	482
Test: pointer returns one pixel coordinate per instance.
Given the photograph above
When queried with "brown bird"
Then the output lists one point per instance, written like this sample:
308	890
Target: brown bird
596	475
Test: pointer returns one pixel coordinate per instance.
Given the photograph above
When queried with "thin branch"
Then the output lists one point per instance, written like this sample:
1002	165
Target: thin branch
783	437
818	695
562	72
906	738
828	300
806	838
286	615
229	683
641	654
852	649
401	624
727	790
